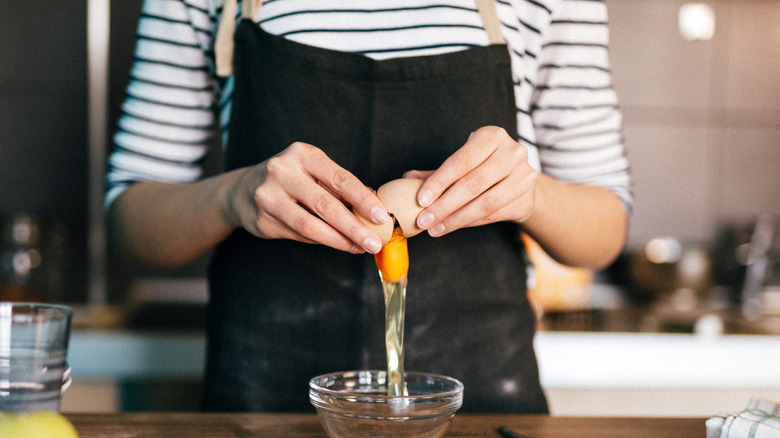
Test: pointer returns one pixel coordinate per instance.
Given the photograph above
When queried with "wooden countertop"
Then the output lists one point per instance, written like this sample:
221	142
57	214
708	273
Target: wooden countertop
199	425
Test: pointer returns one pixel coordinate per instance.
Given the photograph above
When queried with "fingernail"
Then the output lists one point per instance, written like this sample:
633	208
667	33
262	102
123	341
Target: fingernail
424	198
372	245
437	230
379	215
425	220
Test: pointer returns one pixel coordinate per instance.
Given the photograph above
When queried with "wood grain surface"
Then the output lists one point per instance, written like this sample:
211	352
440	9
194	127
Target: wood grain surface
202	425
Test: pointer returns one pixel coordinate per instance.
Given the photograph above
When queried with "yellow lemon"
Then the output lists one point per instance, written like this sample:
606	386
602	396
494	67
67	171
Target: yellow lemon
39	424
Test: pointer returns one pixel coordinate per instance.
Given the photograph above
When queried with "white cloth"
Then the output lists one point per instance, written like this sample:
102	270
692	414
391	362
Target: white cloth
761	419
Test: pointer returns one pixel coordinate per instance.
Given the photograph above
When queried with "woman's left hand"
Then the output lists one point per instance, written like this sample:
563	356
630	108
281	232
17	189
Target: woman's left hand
487	180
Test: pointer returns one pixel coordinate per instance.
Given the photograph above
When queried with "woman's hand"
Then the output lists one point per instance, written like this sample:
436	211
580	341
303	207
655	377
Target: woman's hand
301	194
487	180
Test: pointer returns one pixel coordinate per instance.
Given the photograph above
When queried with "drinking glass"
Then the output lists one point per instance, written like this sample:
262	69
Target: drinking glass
33	355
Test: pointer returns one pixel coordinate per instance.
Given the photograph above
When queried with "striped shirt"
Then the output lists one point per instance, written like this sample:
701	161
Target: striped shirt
567	109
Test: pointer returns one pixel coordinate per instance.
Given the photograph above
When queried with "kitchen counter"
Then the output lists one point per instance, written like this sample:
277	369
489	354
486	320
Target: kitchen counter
657	360
199	425
634	360
583	373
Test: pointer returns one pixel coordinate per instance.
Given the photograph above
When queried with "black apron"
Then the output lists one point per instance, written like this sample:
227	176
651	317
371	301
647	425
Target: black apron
281	312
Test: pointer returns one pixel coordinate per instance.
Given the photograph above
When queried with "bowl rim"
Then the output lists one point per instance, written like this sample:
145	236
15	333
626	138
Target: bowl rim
457	391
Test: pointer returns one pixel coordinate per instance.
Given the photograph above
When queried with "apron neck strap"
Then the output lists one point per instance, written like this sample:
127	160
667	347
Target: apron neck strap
223	46
487	10
251	9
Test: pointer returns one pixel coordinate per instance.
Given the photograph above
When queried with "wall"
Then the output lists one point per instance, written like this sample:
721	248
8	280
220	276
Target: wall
43	124
702	118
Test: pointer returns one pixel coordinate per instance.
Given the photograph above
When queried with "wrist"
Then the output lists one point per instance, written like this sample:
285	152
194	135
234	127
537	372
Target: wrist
230	197
533	212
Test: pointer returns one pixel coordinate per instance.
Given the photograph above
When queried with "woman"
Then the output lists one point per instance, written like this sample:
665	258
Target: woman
325	102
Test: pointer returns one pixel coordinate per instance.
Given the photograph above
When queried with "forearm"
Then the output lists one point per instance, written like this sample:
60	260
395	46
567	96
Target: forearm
169	224
578	225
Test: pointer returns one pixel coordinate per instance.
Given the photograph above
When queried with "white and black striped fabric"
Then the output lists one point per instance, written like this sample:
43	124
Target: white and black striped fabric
568	115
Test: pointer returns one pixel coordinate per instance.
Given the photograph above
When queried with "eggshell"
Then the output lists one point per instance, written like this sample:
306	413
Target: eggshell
400	198
384	231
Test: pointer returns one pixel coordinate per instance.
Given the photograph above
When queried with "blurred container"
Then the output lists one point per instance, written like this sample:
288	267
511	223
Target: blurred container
747	263
662	268
554	287
762	275
33	356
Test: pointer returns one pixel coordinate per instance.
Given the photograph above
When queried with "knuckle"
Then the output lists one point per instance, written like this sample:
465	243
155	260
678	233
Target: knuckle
475	185
341	179
495	130
462	161
301	152
276	166
262	197
356	231
491	131
299	146
490	204
305	225
323	204
519	153
533	176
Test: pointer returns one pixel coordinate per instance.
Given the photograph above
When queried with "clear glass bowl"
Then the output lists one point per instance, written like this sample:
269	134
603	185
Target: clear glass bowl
354	404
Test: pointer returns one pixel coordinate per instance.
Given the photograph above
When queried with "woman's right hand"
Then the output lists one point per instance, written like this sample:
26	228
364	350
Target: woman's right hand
301	194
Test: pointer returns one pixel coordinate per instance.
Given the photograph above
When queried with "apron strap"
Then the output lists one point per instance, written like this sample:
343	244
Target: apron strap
487	10
251	9
224	44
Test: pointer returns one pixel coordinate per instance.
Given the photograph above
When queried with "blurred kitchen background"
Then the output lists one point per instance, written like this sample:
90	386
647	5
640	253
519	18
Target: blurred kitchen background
699	85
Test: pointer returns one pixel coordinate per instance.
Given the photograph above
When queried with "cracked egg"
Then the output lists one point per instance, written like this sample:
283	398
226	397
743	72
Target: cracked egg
400	199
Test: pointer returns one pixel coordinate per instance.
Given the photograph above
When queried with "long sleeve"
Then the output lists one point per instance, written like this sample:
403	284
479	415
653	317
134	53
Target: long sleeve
167	118
574	106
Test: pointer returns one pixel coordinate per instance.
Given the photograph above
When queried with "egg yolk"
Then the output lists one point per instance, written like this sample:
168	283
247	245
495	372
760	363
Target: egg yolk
393	259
